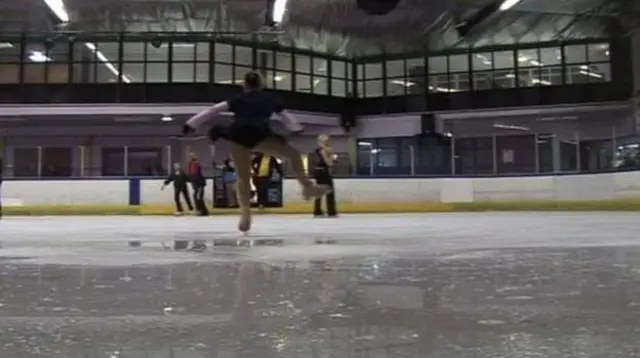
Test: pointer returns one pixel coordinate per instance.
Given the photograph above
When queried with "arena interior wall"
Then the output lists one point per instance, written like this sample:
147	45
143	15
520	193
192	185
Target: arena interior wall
605	191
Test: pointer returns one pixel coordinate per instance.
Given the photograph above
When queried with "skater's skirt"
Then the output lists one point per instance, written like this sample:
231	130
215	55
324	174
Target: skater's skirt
246	135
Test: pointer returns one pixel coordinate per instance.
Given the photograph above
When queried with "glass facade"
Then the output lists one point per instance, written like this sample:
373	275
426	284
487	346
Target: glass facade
114	58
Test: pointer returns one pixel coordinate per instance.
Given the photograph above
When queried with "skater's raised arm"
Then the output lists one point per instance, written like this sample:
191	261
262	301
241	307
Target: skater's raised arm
206	115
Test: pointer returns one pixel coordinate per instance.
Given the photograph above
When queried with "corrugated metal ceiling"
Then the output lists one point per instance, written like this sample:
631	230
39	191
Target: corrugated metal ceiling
339	26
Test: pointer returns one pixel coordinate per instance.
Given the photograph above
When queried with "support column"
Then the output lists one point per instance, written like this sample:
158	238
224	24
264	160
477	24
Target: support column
555	154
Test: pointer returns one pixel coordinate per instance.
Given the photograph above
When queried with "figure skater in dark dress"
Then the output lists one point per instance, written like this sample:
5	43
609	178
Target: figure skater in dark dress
251	131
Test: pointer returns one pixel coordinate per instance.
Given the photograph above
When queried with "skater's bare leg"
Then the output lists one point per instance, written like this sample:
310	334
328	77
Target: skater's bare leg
242	159
278	148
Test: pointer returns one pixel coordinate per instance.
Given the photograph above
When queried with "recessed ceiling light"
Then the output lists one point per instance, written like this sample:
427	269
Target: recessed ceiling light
167	118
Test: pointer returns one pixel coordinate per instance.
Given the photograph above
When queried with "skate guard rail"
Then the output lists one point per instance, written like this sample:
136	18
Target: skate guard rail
617	190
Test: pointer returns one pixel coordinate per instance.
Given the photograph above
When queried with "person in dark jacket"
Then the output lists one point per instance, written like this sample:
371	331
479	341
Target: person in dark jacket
320	170
180	179
262	167
198	182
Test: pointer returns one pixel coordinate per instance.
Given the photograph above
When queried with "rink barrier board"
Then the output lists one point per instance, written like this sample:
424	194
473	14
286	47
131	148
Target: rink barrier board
345	208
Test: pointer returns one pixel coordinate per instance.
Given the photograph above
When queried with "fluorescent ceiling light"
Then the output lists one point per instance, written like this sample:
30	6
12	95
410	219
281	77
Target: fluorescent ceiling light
591	74
365	144
102	58
166	118
39	57
279	9
403	83
58	8
278	78
536	63
540	82
507	126
5	45
508	4
442	89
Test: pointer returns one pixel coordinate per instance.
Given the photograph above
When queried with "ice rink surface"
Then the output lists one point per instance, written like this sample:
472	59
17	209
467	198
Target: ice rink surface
471	285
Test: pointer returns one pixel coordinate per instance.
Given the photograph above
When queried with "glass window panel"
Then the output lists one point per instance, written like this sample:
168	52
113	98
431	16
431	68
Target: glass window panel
110	50
183	52
598	52
58	52
9	73
575	53
202	51
34	73
481	61
577	73
104	74
398	86
363	156
133	51
265	59
503	60
284	61
361	89
9	52
386	153
244	55
240	71
303	64
350	69
406	152
372	71
550	76
338	87
223	53
320	66
112	161
458	82
321	85
528	76
590	73
157	72
303	83
504	78
134	71
550	56
528	58
25	162
374	88
56	162
283	81
603	69
415	67
482	80
360	71
183	72
223	74
84	72
202	72
158	52
145	162
458	63
395	68
338	69
438	64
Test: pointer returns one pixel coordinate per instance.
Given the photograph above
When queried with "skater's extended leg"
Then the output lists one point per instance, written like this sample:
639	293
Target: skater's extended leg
242	158
279	148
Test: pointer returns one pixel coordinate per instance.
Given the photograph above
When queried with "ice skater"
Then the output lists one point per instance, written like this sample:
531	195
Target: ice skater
251	131
180	180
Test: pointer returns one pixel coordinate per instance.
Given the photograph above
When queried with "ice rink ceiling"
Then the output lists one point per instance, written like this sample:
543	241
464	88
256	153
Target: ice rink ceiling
334	26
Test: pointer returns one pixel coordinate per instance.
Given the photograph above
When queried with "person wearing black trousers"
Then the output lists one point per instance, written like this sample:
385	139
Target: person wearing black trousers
263	166
322	164
179	179
198	182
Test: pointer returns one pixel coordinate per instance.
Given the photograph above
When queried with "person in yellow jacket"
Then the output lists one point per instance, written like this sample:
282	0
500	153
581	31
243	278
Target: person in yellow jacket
262	167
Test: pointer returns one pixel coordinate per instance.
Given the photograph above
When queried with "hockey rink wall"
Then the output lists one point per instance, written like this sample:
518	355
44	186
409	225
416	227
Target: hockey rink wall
605	191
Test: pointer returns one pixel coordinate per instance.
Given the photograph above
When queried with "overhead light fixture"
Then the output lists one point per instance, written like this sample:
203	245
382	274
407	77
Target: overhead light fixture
365	144
591	74
508	126
5	45
536	63
403	83
102	58
442	89
39	57
276	10
508	4
167	118
537	81
59	9
278	78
